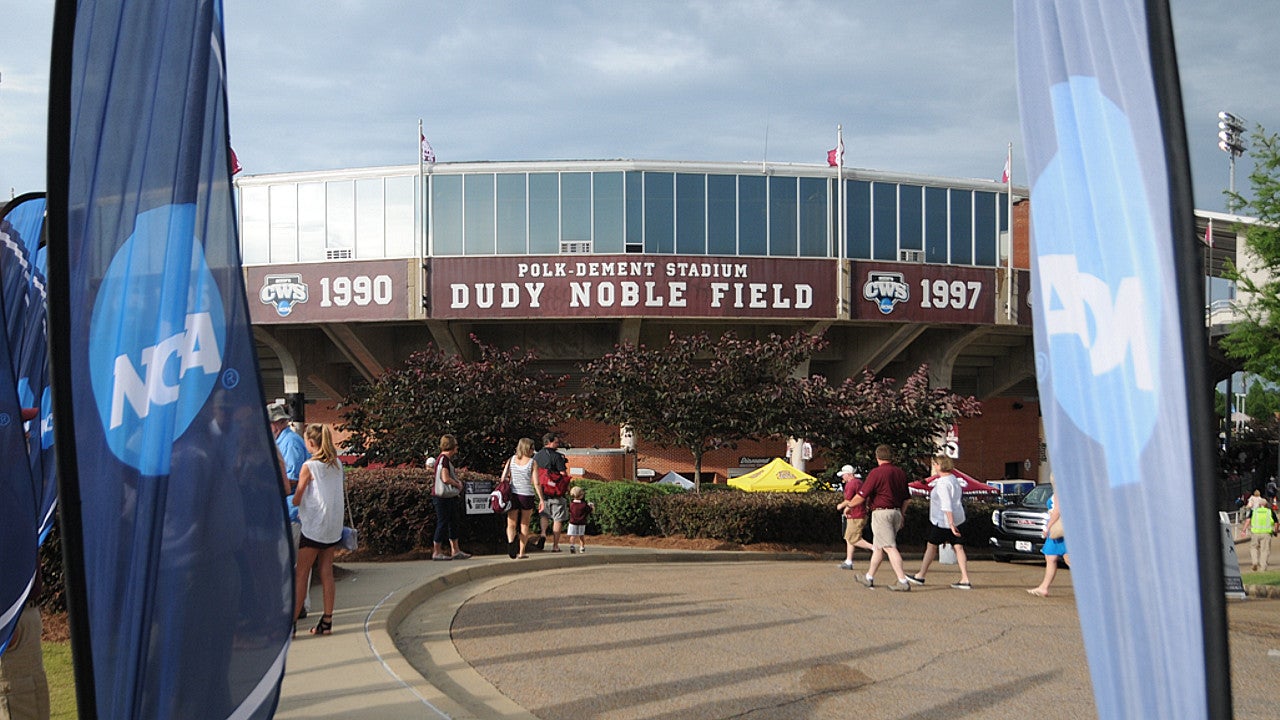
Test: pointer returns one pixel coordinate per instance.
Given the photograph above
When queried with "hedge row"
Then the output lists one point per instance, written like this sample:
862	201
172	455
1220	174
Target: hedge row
392	510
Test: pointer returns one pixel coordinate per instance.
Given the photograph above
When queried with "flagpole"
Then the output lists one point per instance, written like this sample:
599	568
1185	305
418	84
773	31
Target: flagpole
59	316
1008	306
422	190
842	300
1187	273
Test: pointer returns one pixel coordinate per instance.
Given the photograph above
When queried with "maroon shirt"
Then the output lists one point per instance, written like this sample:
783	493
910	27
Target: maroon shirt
578	512
850	489
885	488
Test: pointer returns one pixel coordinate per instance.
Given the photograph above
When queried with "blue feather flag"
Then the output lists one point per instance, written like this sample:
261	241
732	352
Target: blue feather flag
1117	350
171	498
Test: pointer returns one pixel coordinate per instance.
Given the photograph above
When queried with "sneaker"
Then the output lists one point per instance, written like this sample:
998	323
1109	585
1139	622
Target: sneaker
901	586
460	555
441	557
915	580
573	549
583	549
864	580
961	586
846	565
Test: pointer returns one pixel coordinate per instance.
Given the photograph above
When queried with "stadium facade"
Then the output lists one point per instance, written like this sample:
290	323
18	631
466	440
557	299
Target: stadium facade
350	271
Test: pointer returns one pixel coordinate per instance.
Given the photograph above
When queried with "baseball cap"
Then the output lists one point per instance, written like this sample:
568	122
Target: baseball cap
846	470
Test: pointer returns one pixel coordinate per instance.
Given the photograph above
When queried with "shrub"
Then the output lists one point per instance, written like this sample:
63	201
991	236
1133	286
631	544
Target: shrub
741	517
391	507
622	508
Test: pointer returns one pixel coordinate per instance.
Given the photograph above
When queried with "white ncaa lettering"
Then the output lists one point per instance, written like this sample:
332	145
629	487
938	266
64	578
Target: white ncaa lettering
196	348
1117	322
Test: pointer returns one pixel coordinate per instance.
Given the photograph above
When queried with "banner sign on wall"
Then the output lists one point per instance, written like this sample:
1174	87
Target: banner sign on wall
631	286
911	292
329	292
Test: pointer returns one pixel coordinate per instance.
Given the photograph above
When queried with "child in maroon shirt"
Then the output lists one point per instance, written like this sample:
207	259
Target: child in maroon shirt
579	511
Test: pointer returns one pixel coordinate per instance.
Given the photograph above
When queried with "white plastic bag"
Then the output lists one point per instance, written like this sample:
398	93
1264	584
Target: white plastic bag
947	554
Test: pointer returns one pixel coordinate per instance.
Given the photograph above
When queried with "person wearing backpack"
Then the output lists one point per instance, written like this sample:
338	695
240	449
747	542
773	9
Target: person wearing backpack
553	479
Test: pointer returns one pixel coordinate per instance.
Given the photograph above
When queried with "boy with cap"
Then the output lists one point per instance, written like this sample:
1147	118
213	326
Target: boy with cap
854	516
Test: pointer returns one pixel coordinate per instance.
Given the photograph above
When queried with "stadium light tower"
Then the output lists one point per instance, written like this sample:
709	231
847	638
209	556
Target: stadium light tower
1231	141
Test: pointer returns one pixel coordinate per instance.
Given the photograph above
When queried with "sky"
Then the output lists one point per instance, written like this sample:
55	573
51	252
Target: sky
922	87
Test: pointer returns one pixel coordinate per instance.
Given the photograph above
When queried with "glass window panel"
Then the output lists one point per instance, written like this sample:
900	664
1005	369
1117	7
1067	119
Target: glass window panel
284	223
691	214
446	214
885	221
255	226
858	197
813	217
607	191
544	213
635	210
753	214
961	227
1003	201
575	207
370	213
935	225
400	199
659	213
910	217
478	201
783	216
340	224
722	215
311	222
512	214
984	228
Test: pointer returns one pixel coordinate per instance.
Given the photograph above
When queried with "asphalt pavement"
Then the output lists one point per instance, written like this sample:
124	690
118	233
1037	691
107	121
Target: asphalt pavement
636	633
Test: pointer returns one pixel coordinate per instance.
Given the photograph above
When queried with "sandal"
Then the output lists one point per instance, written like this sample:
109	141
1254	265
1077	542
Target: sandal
324	627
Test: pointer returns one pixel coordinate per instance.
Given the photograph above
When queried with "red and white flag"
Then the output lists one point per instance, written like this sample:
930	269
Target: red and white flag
428	155
1208	234
1004	177
235	161
835	156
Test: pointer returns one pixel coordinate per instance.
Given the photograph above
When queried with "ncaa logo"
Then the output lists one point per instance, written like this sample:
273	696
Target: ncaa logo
156	338
283	291
886	290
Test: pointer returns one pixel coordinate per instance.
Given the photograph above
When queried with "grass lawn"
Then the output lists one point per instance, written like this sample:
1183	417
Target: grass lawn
1270	577
62	686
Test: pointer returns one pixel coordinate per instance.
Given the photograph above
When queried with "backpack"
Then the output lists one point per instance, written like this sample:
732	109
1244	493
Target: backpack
553	482
500	498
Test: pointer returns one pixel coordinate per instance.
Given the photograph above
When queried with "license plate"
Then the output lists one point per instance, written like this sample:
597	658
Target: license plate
1022	545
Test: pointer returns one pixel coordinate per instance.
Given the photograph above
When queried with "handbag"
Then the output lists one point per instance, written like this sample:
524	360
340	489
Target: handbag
947	554
500	498
350	536
443	489
1055	530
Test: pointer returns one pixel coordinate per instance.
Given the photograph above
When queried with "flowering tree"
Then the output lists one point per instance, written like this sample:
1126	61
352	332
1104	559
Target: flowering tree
698	393
489	404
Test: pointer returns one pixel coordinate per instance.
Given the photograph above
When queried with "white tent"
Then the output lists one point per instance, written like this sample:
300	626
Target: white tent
674	478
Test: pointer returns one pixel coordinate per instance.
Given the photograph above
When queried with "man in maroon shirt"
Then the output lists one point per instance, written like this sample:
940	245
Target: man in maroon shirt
885	492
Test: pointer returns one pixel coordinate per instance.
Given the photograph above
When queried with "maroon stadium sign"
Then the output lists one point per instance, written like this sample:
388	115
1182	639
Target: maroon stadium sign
631	286
329	292
910	292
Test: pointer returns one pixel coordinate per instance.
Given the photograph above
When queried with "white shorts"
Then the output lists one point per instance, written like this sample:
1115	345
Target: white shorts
577	530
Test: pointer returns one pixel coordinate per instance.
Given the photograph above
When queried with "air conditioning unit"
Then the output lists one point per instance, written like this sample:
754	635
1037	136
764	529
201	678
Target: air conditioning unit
911	256
575	247
338	254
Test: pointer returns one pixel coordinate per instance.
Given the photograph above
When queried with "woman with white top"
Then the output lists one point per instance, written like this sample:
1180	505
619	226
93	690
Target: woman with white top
526	496
946	522
319	500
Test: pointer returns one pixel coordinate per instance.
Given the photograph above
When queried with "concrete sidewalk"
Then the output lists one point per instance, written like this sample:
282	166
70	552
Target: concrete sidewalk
358	672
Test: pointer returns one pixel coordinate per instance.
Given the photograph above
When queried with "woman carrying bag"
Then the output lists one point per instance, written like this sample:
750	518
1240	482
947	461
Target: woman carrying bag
446	497
320	504
526	496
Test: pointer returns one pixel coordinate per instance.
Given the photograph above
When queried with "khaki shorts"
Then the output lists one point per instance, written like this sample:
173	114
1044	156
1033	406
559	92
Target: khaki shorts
24	690
885	525
853	529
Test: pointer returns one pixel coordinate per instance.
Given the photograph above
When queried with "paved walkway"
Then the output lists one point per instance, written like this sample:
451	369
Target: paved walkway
626	633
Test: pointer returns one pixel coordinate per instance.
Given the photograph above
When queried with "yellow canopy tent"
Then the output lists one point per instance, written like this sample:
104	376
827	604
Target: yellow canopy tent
777	476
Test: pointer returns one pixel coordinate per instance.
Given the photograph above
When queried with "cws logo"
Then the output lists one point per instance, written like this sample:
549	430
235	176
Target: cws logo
156	338
886	290
283	291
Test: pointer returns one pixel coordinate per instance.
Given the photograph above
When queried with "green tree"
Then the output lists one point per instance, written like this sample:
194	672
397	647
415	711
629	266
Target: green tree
697	393
863	412
488	403
1261	402
1256	338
